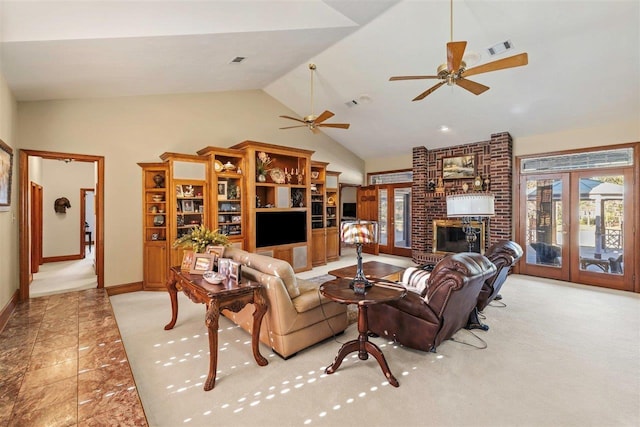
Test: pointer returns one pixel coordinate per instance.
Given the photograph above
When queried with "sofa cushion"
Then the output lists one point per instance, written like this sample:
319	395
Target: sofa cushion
309	297
267	265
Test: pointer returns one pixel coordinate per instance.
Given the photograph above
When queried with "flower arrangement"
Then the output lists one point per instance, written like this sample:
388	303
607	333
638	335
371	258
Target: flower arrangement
201	237
263	163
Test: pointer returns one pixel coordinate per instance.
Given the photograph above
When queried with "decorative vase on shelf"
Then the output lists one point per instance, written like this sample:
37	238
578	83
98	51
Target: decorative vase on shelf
262	178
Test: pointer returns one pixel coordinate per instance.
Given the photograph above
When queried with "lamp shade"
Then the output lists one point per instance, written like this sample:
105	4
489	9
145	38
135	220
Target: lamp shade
359	232
461	205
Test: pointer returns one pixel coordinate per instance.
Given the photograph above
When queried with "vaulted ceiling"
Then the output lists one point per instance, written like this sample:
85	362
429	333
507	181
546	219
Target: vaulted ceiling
584	60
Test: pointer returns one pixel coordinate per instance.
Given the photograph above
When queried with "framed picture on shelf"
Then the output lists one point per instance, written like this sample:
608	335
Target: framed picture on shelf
202	263
235	271
222	190
179	191
6	169
187	206
459	167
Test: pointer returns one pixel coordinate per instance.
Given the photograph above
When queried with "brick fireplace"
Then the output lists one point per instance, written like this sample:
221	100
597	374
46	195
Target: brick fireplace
494	159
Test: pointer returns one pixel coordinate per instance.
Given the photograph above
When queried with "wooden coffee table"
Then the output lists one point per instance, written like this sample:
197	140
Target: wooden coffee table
338	290
370	269
229	295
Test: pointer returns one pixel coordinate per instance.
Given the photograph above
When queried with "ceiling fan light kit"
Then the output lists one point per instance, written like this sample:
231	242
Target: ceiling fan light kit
455	73
312	121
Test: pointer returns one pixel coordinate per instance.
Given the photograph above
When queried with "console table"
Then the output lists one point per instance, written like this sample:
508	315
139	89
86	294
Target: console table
338	290
229	295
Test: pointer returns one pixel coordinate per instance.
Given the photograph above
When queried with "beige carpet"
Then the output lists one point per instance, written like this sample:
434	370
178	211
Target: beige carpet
558	354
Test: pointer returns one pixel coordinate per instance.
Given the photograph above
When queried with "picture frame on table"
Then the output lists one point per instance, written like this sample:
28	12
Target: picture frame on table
187	206
223	266
235	271
202	263
6	172
187	260
217	251
222	190
459	167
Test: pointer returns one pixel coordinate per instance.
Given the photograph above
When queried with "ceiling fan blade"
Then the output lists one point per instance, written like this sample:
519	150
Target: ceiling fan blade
455	51
500	64
291	127
473	87
335	125
324	116
392	79
427	92
293	118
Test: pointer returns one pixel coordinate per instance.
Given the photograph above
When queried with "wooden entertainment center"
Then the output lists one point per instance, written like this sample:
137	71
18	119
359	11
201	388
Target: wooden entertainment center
290	213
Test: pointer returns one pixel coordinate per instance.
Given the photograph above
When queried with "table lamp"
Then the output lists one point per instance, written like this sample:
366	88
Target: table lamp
359	233
469	207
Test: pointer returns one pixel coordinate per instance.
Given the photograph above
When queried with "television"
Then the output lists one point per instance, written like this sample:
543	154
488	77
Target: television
280	228
349	210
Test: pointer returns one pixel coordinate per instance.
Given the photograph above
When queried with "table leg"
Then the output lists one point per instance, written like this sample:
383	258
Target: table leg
261	306
364	348
211	321
173	295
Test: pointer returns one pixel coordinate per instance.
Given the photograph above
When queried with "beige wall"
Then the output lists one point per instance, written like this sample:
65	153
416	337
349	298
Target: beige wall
9	278
138	129
61	231
617	132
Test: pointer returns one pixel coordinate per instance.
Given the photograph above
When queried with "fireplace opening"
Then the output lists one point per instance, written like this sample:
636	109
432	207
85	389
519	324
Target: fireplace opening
448	236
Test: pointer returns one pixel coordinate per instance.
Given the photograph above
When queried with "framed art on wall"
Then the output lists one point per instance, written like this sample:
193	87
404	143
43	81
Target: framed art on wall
6	170
459	167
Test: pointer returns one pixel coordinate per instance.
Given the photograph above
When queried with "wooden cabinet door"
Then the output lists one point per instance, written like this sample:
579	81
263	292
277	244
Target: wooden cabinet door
318	247
333	244
155	266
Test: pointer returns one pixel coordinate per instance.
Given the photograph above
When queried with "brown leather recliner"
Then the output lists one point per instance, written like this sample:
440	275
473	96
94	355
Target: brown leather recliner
423	321
504	255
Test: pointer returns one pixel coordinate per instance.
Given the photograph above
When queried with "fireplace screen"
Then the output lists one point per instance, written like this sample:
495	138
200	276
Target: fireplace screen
448	236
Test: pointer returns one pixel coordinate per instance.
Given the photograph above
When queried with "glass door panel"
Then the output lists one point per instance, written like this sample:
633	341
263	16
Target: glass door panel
402	218
546	225
601	213
394	219
603	224
383	223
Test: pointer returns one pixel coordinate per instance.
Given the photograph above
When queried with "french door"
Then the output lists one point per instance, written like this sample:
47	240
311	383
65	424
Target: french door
578	226
394	219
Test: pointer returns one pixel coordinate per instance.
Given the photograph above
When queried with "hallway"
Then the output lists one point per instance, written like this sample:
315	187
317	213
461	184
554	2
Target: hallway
64	276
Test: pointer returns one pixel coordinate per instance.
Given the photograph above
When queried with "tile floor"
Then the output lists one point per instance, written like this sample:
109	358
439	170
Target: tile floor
62	363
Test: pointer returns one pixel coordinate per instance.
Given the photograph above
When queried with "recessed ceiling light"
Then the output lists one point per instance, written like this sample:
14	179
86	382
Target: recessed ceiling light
444	128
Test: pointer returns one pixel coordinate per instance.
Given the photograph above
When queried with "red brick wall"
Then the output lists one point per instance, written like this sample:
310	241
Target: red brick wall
494	159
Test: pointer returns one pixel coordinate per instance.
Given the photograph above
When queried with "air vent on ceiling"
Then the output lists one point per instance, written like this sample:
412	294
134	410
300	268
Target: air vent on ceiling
499	48
237	59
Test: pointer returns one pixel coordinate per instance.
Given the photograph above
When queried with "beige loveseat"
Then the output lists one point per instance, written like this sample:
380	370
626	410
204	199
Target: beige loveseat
298	316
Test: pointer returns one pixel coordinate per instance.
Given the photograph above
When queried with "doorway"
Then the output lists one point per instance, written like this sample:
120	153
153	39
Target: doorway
26	157
394	219
87	219
578	226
